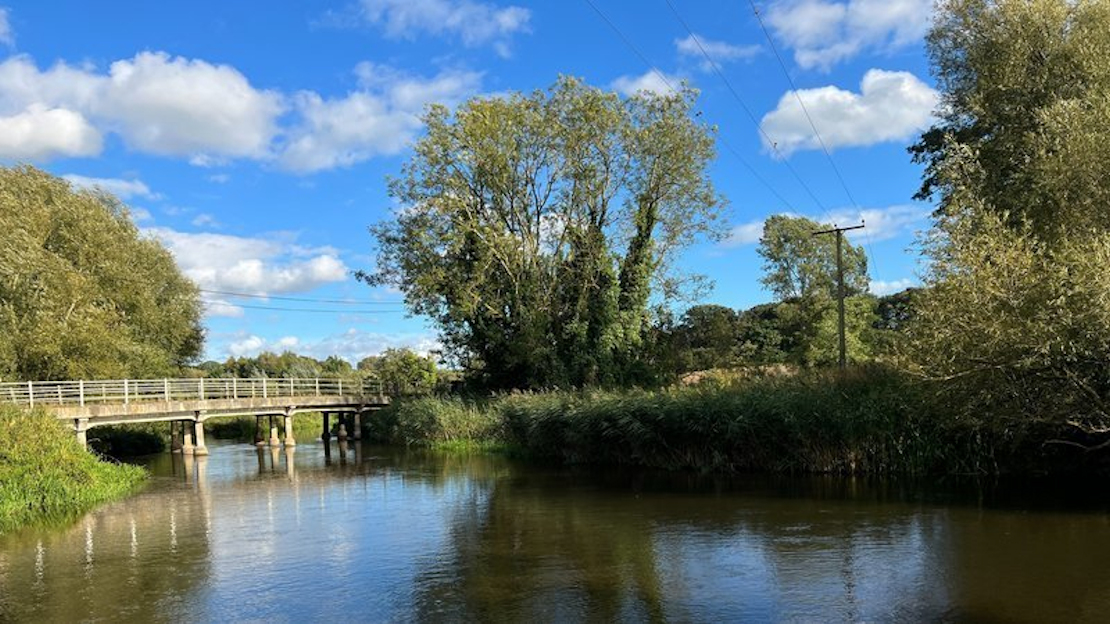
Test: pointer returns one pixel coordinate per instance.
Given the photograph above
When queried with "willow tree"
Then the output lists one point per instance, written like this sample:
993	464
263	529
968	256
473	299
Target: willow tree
82	293
536	228
1016	320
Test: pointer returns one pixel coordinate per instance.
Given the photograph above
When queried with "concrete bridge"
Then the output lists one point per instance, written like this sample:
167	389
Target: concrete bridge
187	403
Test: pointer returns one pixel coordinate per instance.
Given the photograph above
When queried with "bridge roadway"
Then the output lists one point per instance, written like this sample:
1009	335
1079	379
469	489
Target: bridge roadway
187	403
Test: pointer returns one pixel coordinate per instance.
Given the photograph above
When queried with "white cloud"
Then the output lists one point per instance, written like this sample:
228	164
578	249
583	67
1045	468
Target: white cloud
881	224
205	220
880	288
721	52
651	81
890	106
381	118
352	345
823	33
7	35
219	178
140	215
159	104
40	133
474	23
123	189
255	265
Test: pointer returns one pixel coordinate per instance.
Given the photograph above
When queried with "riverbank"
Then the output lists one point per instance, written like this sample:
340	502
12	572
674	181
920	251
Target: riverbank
866	421
45	474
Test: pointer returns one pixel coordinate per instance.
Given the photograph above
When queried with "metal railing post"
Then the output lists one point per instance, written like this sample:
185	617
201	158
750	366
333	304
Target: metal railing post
126	394
340	386
317	386
166	388
202	388
264	388
81	391
31	393
234	388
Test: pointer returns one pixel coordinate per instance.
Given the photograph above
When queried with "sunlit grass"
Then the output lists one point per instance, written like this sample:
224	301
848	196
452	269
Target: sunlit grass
45	474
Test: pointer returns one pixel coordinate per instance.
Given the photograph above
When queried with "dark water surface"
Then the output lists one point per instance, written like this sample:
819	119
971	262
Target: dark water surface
374	534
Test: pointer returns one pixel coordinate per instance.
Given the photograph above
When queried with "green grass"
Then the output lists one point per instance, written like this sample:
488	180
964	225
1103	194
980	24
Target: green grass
45	474
865	421
307	426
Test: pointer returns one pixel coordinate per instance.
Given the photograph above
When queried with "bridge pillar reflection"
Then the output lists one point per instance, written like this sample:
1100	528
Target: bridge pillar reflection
200	448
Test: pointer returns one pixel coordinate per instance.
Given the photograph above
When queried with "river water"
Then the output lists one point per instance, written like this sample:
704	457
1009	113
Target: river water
364	533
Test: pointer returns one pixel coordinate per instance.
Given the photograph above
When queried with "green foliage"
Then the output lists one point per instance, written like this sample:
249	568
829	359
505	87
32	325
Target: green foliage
859	321
538	226
868	421
403	371
284	365
800	266
706	338
82	293
129	440
1014	326
45	475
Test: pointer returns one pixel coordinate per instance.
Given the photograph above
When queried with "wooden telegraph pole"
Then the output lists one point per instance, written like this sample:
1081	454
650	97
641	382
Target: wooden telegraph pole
839	231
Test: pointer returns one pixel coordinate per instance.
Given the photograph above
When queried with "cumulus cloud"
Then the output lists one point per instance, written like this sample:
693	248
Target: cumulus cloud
650	81
40	133
721	52
473	23
823	32
352	344
159	104
382	117
881	288
261	265
881	224
123	189
890	106
7	35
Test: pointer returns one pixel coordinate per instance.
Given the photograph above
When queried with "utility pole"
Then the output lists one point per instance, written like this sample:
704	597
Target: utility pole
839	231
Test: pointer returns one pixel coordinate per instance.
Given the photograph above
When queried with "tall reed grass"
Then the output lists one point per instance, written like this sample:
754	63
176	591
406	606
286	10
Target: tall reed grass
45	474
864	421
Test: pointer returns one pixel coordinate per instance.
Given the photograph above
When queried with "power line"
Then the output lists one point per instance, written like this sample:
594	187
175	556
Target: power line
635	50
316	310
744	106
809	118
300	299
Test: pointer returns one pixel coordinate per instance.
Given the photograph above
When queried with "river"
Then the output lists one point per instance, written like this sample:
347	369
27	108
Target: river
365	533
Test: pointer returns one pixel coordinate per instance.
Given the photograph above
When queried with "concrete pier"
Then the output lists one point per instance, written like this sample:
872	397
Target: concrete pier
187	446
290	440
356	431
198	429
274	440
175	436
326	435
81	426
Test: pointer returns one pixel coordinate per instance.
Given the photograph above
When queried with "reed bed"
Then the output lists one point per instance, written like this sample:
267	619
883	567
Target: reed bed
865	421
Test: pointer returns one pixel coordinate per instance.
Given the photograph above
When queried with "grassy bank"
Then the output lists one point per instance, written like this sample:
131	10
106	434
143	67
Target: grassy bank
45	475
868	421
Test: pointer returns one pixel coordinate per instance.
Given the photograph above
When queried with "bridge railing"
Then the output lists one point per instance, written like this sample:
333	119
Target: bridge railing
113	391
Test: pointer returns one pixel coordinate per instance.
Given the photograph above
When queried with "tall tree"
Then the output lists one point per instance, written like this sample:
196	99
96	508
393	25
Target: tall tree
537	227
799	265
1015	321
82	293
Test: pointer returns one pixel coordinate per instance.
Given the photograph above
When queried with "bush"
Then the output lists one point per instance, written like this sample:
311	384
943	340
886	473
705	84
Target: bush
46	475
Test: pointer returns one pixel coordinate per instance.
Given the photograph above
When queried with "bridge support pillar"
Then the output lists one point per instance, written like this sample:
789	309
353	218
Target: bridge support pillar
290	440
342	432
326	435
200	448
81	426
187	438
259	439
357	427
274	440
175	437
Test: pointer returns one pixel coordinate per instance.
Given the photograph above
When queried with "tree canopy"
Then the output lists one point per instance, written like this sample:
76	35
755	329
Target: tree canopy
799	265
82	293
536	229
1016	318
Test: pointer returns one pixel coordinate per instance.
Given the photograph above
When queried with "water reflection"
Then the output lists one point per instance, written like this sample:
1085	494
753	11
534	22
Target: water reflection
319	531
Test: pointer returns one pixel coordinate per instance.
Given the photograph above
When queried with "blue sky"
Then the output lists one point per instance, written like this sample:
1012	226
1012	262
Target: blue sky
254	138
